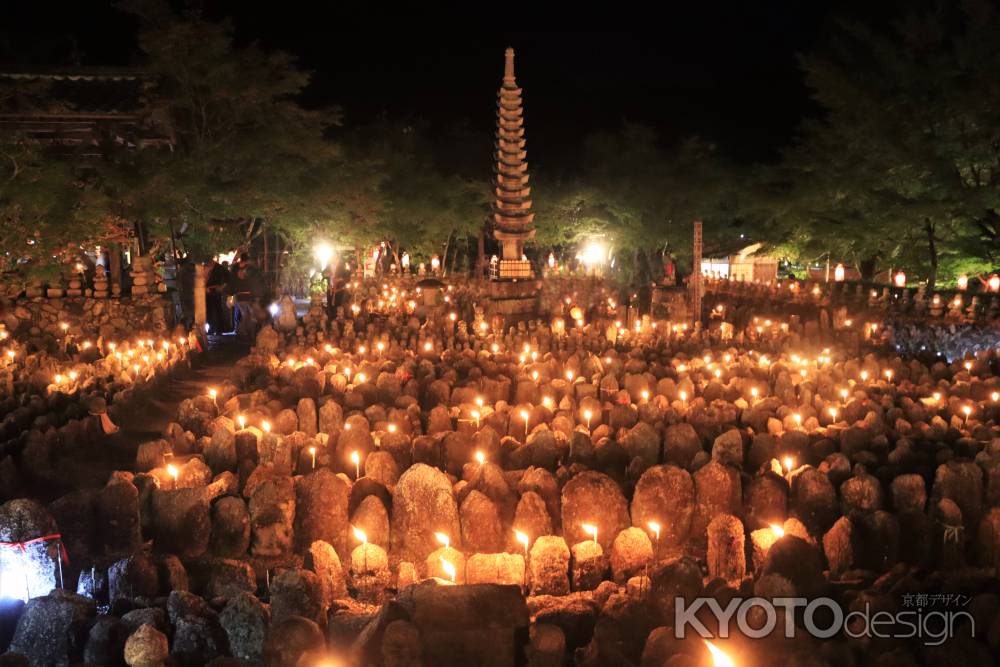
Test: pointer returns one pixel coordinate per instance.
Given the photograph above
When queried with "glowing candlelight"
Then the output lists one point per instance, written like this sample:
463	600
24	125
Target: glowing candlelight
655	527
312	453
173	472
392	428
995	396
266	425
833	414
448	568
213	394
843	396
864	376
754	392
797	418
523	539
968	365
356	459
888	375
525	415
789	463
362	537
719	659
547	402
360	378
778	531
380	346
591	530
587	414
684	398
645	396
428	346
480	458
479	401
967	410
569	375
443	539
242	421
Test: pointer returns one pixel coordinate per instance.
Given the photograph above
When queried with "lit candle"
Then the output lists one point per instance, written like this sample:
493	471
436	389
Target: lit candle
645	396
476	415
684	398
525	415
797	418
173	472
655	527
443	539
591	530
843	396
523	539
356	459
448	568
480	458
833	414
266	425
362	537
719	659
214	395
242	421
587	414
967	410
312	453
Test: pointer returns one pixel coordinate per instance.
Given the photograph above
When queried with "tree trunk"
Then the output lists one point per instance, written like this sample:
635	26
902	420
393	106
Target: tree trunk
932	250
867	268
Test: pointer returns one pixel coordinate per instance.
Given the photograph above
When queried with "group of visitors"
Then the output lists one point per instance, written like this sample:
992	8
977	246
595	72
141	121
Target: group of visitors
234	297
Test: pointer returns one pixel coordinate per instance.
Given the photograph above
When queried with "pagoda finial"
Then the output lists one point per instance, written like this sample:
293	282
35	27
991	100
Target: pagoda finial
508	68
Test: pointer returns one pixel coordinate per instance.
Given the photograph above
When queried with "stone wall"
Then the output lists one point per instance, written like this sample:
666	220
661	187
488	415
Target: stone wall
112	318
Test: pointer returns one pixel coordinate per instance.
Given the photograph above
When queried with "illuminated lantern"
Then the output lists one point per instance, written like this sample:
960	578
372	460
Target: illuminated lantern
899	279
963	282
994	283
838	273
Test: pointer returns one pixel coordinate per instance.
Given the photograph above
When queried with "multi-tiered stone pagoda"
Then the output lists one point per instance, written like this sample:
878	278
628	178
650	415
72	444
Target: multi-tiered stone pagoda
513	287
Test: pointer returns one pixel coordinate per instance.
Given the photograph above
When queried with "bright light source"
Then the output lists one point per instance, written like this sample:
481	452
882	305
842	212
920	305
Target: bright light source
593	254
323	254
274	309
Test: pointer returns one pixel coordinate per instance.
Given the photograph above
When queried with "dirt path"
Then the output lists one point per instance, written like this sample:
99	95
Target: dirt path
90	466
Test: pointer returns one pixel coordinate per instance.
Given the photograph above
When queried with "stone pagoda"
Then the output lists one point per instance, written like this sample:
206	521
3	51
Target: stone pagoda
513	288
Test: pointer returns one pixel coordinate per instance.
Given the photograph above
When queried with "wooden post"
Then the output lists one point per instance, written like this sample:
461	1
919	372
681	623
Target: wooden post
696	289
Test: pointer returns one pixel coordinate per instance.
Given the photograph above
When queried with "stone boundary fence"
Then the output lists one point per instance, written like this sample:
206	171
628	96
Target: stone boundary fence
113	318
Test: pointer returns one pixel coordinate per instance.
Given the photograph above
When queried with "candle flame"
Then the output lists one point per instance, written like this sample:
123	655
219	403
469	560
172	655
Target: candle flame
360	535
789	463
213	393
355	458
480	458
443	539
521	537
266	425
172	471
777	530
591	530
719	658
655	527
242	420
448	568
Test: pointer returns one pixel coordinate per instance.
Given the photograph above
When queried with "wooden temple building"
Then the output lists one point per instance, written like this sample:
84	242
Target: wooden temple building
82	111
513	287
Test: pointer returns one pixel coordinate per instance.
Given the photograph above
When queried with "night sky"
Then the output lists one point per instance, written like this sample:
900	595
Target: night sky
729	75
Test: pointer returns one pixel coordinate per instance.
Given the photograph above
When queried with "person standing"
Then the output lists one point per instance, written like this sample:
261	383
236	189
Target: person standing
215	286
241	288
